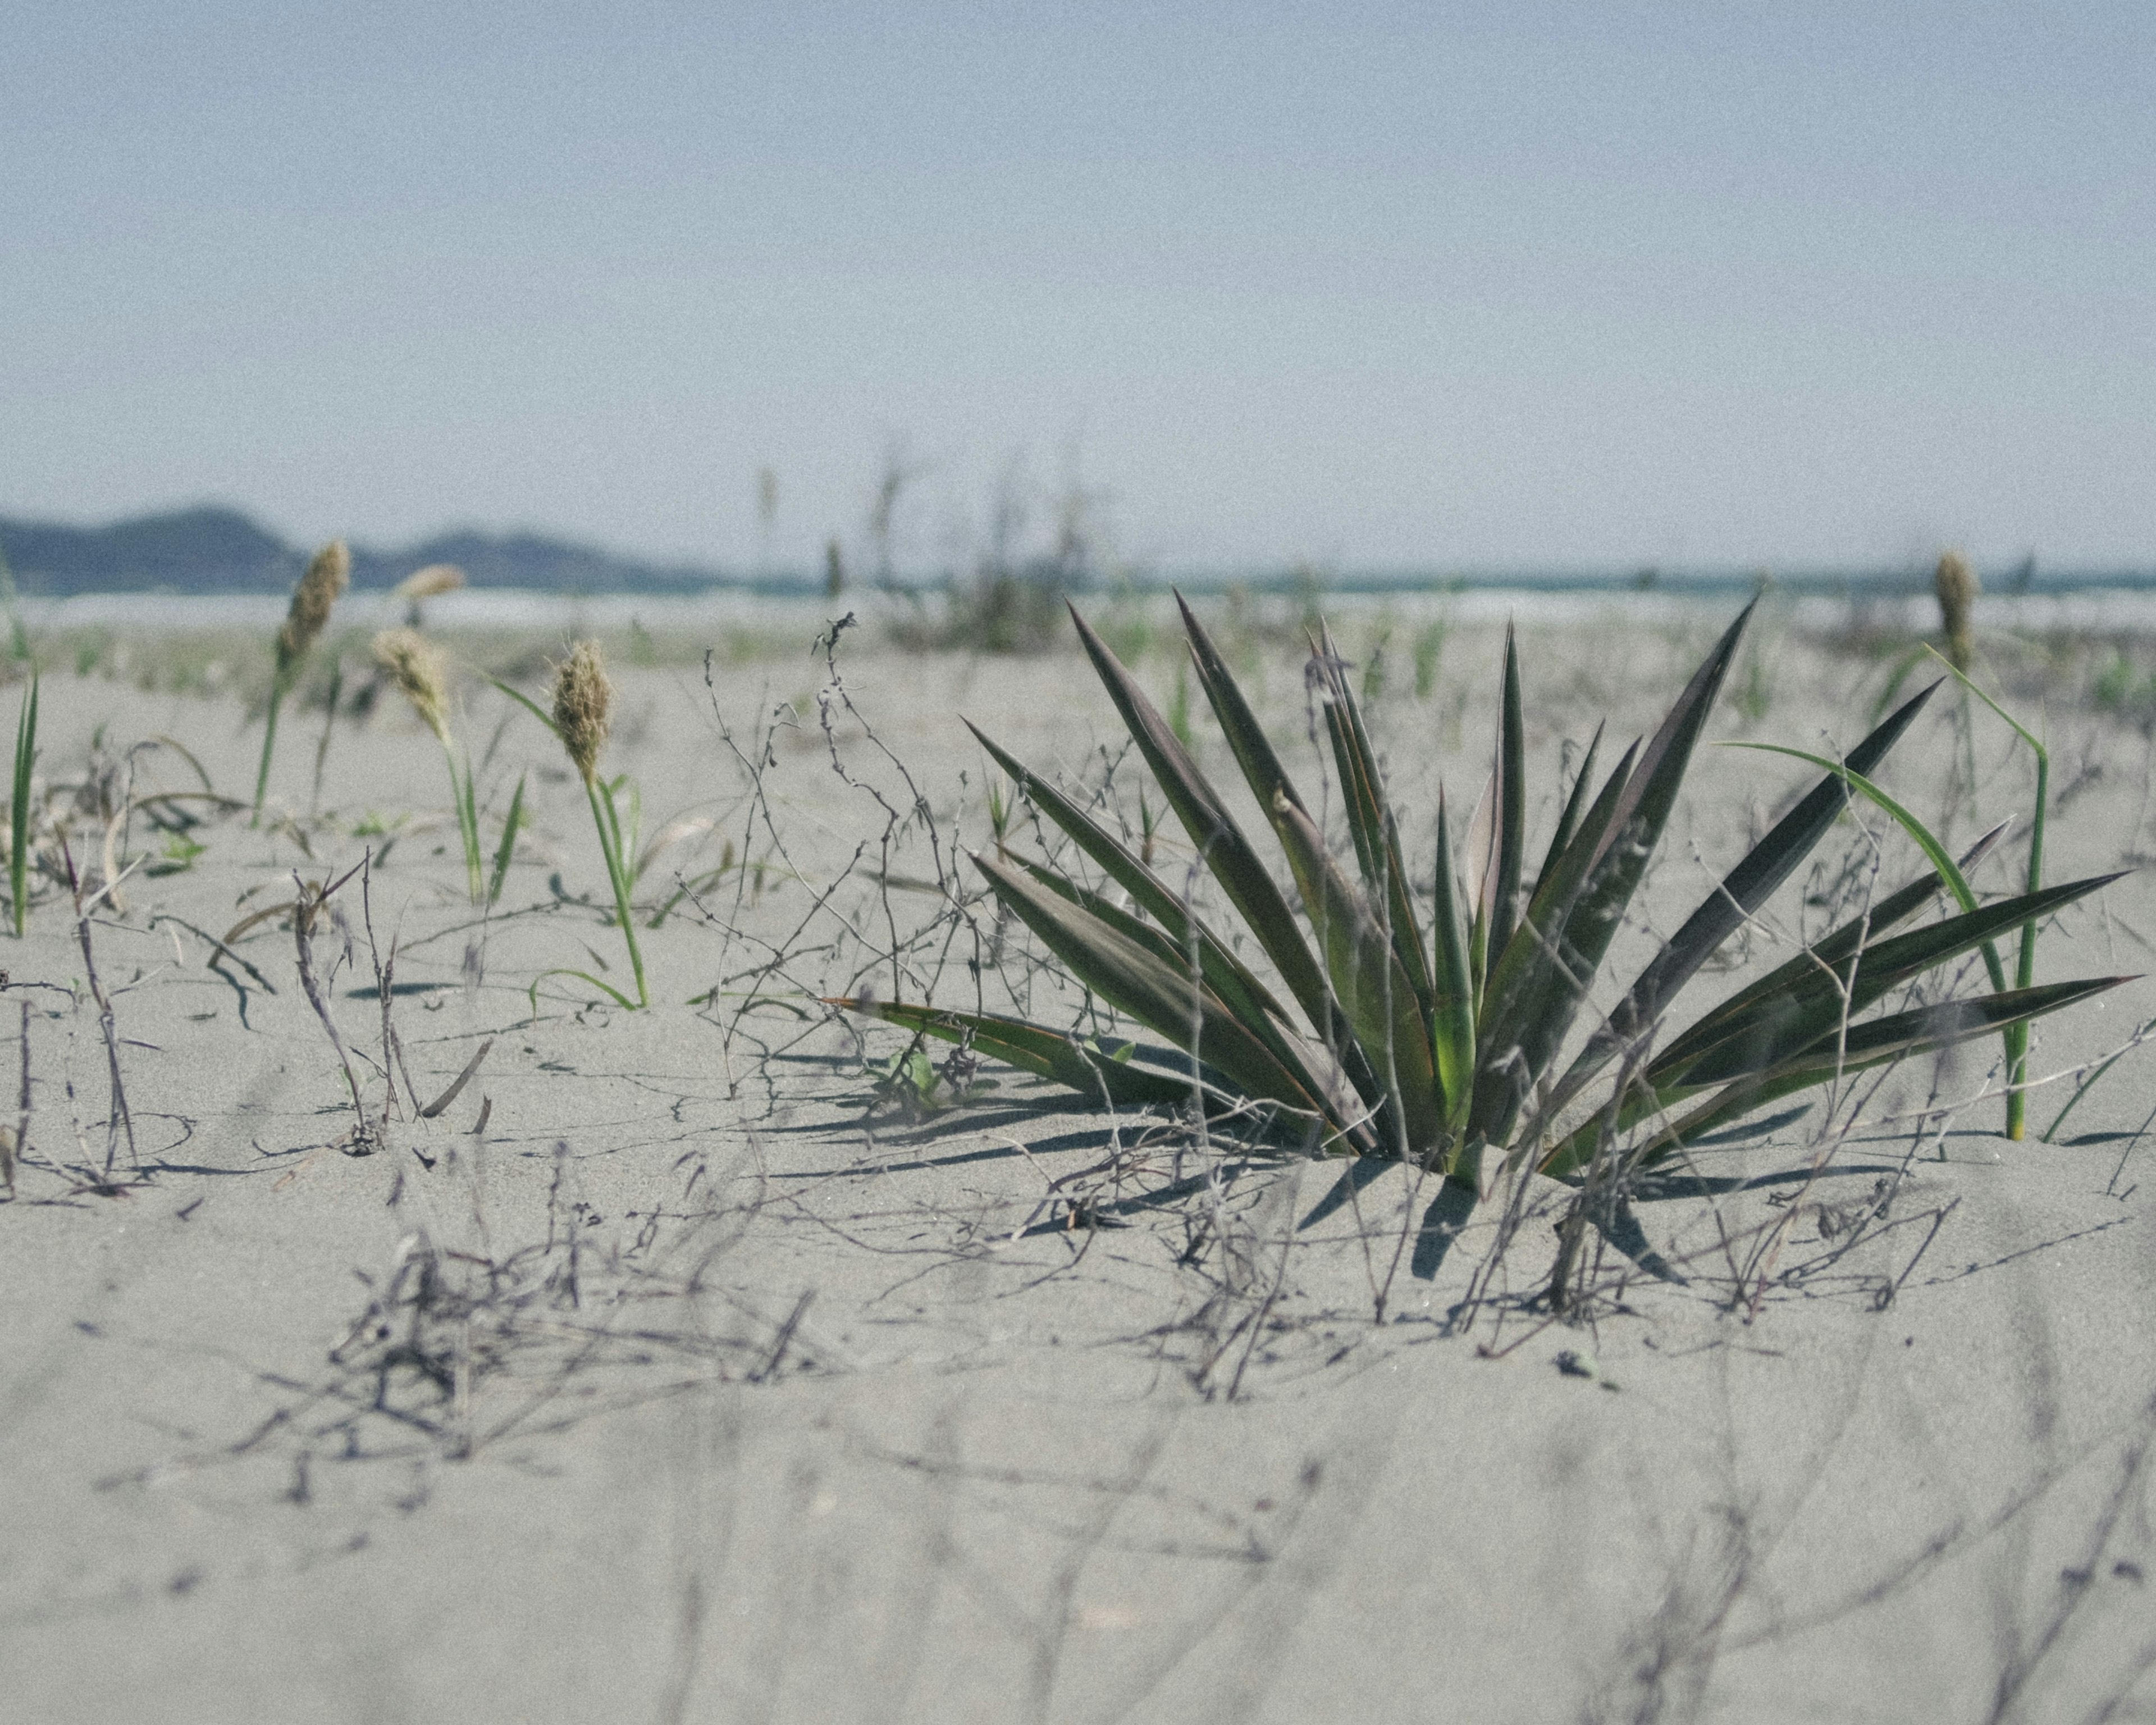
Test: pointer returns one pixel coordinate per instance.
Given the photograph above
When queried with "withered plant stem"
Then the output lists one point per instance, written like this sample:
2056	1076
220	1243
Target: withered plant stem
118	1117
20	1146
306	904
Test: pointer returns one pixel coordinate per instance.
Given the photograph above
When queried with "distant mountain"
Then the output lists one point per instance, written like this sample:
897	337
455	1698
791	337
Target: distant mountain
214	549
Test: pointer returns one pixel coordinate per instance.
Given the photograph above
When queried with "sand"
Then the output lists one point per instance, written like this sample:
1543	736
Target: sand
738	1398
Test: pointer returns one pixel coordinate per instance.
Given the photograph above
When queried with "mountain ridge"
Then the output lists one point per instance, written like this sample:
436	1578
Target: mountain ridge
212	548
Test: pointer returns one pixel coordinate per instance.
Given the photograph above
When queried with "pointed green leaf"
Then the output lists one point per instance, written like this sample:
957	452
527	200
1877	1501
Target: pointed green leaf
1568	822
1167	999
1924	1030
1035	1049
1512	770
1223	970
1254	1013
1742	890
1521	1045
1253	753
1370	820
1367	980
1832	951
1808	1012
1249	887
1452	1017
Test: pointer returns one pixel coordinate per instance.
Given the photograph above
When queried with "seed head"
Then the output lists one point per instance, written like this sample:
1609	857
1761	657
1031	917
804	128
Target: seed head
583	707
430	582
1958	589
421	671
327	576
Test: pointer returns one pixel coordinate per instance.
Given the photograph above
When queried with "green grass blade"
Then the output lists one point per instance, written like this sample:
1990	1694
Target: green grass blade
1927	841
1452	1018
1146	890
1249	884
2017	1038
1568	822
26	761
1518	1049
268	747
1512	770
526	701
608	990
507	848
1254	753
1035	1049
1742	890
463	795
1167	999
1784	1023
1924	1030
1523	972
608	821
1370	820
1255	1012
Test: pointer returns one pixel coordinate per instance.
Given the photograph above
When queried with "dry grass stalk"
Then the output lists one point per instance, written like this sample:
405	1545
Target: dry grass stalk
1958	588
583	707
430	582
422	670
312	600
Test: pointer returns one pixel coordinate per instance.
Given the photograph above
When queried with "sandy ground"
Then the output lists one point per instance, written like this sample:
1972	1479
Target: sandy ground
664	1376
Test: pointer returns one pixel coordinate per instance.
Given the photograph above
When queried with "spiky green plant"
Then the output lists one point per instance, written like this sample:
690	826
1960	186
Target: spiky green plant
1442	1046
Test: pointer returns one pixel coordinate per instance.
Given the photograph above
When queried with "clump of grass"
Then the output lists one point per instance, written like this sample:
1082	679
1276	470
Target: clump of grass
582	716
312	601
421	671
1440	1045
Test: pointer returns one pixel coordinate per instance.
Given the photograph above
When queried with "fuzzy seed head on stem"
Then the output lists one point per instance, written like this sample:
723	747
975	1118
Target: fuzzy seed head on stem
583	707
422	670
1958	589
326	578
430	582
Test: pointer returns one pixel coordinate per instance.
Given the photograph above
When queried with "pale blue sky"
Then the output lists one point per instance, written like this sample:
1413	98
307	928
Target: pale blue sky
1520	285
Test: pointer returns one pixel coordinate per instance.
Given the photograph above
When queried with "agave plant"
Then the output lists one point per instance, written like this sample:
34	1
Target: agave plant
1443	1044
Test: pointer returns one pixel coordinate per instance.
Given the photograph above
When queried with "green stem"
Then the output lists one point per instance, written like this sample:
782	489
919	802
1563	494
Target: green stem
460	794
268	747
19	853
2017	1035
2017	1045
609	825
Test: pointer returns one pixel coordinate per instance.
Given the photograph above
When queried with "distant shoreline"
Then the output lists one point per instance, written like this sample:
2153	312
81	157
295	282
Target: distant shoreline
2115	607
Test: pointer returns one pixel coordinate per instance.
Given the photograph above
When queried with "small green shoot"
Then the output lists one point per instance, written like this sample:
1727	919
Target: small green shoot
18	847
178	854
509	828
